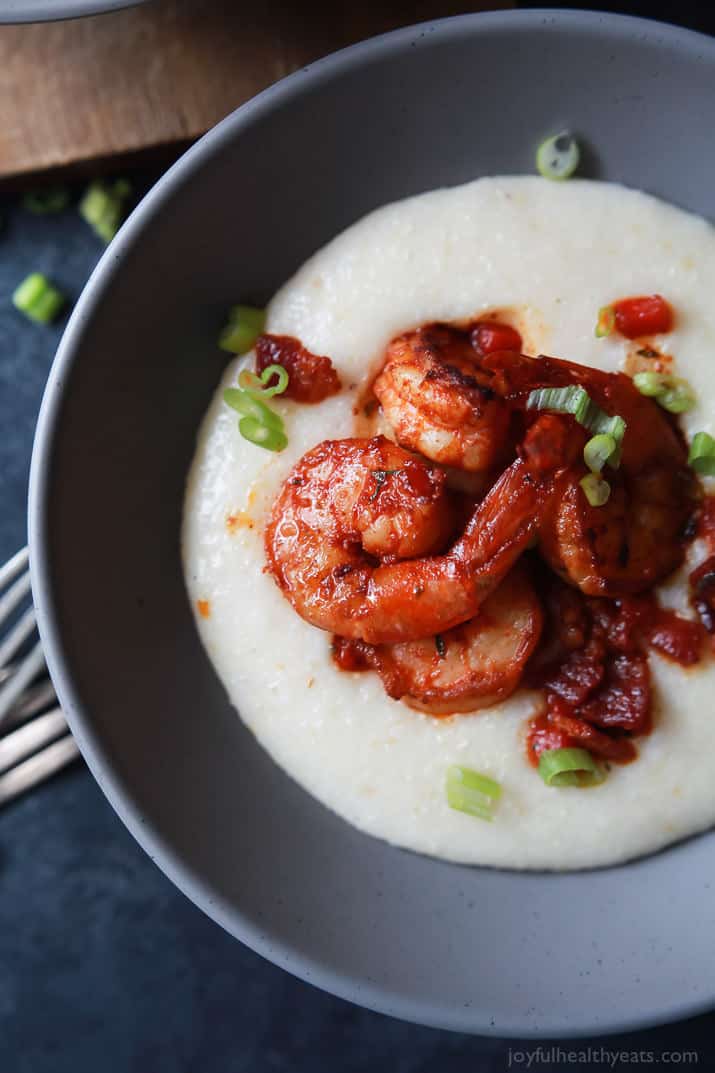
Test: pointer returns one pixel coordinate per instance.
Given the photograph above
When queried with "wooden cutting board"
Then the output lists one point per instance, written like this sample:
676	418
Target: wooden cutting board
96	93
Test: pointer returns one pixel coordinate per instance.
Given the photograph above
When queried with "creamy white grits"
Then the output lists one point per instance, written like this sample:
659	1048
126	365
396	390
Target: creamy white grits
555	252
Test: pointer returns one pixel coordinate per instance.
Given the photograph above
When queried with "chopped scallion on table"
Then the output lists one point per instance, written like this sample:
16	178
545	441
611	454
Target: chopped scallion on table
103	206
245	324
569	767
38	299
470	792
45	202
558	157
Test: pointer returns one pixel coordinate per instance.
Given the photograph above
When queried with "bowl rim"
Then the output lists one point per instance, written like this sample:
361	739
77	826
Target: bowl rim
25	11
286	955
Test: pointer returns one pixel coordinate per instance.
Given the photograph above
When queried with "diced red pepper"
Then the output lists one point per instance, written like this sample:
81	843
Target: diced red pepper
645	315
489	336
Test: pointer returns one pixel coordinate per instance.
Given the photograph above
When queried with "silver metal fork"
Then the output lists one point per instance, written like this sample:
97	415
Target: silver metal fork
35	741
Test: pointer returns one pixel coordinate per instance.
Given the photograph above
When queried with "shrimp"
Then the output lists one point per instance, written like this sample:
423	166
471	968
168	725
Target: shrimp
635	539
471	666
439	401
356	541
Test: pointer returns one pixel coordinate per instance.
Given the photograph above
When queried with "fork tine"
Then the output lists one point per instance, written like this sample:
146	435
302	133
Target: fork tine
28	669
5	672
33	736
14	595
38	768
13	566
36	698
19	633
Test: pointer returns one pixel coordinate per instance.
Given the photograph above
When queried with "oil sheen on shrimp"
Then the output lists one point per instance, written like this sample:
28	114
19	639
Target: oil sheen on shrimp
349	513
635	539
471	666
440	402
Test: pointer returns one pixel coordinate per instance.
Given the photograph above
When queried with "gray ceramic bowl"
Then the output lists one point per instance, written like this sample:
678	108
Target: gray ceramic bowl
473	949
52	10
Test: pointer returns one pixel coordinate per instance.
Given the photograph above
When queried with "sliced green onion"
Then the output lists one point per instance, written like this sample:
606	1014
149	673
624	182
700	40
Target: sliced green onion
595	489
673	394
249	380
247	405
577	401
678	397
599	450
273	439
651	384
44	202
258	424
245	324
468	791
565	400
601	423
102	206
606	321
38	299
557	157
122	188
569	767
702	454
615	460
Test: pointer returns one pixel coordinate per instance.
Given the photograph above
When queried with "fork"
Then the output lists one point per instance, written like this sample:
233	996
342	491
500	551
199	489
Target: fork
35	740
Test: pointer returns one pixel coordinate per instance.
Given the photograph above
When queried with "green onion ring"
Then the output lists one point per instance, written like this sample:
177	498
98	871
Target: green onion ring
558	157
272	439
678	396
470	792
575	400
569	767
596	490
702	454
258	384
38	299
651	384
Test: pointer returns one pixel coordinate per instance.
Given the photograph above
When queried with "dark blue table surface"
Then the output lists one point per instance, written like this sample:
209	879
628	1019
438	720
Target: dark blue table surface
104	966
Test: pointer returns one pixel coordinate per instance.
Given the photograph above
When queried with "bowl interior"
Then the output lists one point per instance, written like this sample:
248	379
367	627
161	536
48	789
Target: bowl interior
473	949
